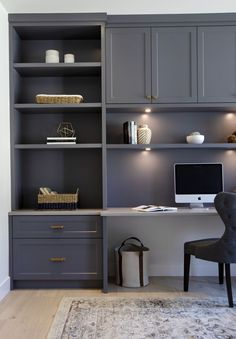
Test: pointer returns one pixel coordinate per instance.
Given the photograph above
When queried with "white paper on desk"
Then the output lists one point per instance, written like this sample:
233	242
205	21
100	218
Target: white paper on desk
154	208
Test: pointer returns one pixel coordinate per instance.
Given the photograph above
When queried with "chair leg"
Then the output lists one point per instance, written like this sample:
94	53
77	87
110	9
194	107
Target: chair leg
221	272
228	285
187	258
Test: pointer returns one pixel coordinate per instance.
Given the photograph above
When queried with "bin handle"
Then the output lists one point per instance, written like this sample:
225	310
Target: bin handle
132	238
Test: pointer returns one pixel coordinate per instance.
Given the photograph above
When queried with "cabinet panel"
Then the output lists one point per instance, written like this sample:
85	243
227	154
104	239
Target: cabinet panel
174	65
62	259
157	65
217	64
128	69
56	227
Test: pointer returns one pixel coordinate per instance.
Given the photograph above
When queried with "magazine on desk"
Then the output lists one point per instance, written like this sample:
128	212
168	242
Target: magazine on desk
154	208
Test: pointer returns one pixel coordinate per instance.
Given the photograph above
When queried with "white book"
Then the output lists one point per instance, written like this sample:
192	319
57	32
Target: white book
61	143
154	208
45	190
133	132
61	138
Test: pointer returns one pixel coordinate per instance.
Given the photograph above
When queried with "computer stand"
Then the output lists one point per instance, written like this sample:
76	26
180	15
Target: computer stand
196	205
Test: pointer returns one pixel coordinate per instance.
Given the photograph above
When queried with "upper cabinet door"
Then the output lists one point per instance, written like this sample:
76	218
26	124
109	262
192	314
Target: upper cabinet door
128	65
217	64
174	65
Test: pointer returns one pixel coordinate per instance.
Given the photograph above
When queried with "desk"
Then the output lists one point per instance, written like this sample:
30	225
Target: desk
129	212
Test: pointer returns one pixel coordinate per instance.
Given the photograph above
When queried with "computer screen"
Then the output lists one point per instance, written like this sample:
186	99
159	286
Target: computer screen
197	183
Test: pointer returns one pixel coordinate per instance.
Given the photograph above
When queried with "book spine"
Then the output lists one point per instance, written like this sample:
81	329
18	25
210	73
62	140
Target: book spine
61	138
126	132
130	132
61	143
133	132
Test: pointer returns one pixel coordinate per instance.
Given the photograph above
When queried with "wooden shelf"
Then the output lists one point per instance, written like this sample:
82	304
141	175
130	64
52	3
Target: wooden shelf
226	146
33	212
55	146
60	69
172	108
55	108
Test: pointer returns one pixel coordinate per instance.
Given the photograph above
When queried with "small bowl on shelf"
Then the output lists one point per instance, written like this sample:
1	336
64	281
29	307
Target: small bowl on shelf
195	138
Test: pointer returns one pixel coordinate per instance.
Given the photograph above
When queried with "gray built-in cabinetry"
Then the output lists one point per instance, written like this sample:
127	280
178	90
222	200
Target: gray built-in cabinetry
171	64
61	167
55	251
217	64
180	66
151	65
60	250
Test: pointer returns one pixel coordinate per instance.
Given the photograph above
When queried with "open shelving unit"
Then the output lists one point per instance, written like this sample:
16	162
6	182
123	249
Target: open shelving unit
31	123
39	240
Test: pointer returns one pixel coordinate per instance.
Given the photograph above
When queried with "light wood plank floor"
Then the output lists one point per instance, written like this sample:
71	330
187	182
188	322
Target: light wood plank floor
28	314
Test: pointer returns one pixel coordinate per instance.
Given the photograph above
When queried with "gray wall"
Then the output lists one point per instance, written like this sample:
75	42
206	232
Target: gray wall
165	237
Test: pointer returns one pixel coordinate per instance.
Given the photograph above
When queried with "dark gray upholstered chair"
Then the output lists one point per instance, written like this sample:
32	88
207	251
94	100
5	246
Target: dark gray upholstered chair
221	250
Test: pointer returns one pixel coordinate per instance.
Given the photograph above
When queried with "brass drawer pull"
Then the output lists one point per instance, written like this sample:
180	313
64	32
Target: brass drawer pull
57	259
57	227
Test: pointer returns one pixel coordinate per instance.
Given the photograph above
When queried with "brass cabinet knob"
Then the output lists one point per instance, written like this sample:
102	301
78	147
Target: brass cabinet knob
154	97
57	227
149	97
57	259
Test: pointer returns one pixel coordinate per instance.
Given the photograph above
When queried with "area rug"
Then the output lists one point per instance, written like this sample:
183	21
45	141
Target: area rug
140	318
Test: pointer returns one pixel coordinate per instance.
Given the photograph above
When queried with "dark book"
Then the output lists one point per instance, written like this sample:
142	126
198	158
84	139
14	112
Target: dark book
130	132
126	132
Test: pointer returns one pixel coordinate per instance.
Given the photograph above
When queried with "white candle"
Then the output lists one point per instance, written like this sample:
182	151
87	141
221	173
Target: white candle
69	58
52	56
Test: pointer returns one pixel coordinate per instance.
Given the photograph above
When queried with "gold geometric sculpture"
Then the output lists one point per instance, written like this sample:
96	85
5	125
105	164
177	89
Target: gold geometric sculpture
65	129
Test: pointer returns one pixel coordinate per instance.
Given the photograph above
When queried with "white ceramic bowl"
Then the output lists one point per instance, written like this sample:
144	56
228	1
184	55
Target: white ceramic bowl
195	139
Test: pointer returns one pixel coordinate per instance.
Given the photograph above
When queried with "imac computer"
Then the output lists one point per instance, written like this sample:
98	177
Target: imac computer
197	183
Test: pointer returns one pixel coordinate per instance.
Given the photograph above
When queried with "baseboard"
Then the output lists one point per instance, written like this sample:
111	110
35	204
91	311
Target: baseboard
201	269
207	269
4	288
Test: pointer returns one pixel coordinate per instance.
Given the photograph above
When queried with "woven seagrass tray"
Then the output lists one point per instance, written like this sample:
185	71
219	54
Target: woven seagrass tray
58	201
58	99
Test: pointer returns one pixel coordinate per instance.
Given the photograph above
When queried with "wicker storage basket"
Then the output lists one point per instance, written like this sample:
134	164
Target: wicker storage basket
58	201
58	99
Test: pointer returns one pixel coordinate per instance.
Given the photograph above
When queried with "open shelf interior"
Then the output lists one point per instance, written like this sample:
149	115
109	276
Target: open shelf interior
147	177
63	171
35	128
28	87
172	128
82	41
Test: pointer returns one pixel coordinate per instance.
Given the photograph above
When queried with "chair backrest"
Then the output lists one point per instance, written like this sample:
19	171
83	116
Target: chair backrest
225	204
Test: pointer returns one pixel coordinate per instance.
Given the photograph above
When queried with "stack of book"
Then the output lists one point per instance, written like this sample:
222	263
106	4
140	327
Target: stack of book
46	191
61	140
130	132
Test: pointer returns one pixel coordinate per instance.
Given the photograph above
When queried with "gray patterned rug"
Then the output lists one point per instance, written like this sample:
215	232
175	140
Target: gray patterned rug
139	318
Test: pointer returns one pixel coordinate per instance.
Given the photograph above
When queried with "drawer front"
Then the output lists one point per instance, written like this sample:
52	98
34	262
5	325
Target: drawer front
57	259
56	227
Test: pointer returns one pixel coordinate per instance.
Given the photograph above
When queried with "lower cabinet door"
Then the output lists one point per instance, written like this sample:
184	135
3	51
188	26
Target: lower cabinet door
57	259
